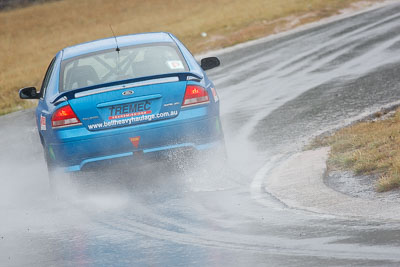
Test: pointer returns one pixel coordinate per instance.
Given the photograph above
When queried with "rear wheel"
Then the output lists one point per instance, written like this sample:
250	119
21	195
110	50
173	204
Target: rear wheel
57	178
49	163
51	170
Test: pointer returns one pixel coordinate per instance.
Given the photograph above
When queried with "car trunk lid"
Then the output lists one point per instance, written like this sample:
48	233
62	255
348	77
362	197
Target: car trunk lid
129	105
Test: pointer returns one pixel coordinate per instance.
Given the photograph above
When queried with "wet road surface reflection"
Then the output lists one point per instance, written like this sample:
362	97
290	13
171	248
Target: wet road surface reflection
275	96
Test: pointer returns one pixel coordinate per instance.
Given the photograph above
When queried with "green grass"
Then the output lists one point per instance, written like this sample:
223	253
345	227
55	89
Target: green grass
370	147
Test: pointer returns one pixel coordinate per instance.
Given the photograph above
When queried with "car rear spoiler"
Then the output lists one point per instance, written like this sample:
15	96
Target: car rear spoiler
105	87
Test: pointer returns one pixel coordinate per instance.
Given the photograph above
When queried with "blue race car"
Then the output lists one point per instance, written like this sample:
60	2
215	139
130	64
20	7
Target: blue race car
125	97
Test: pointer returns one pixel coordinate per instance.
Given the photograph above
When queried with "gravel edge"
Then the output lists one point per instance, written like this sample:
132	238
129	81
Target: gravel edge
298	182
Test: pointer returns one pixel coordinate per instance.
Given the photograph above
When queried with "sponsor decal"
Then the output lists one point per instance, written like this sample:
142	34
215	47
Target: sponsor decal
130	110
42	123
175	64
129	115
90	118
132	120
171	104
135	141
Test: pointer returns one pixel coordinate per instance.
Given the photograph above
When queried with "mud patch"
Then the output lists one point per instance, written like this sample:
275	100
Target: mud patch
360	186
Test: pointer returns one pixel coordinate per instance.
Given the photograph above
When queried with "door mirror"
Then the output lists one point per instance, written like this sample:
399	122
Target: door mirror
29	93
209	63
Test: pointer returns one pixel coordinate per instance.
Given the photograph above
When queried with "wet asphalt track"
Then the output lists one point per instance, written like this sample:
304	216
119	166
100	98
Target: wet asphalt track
275	96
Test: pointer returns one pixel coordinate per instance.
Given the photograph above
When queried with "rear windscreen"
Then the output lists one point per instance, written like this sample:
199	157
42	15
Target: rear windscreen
111	65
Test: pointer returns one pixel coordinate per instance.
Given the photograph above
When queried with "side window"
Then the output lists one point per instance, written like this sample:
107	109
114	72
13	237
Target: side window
47	78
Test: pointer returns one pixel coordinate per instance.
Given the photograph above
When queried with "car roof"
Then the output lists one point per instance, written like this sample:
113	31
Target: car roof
109	43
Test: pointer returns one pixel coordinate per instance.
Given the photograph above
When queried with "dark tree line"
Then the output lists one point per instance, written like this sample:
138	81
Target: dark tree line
9	4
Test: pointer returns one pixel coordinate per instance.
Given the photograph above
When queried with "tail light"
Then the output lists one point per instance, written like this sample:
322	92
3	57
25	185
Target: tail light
195	95
63	117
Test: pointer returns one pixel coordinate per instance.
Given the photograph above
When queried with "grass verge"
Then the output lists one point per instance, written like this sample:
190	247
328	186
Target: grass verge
31	36
369	147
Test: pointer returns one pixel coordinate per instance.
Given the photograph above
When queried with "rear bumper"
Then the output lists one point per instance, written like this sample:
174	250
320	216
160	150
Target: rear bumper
129	158
77	151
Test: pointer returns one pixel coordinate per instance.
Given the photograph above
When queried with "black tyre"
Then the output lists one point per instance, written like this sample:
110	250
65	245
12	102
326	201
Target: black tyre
56	177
